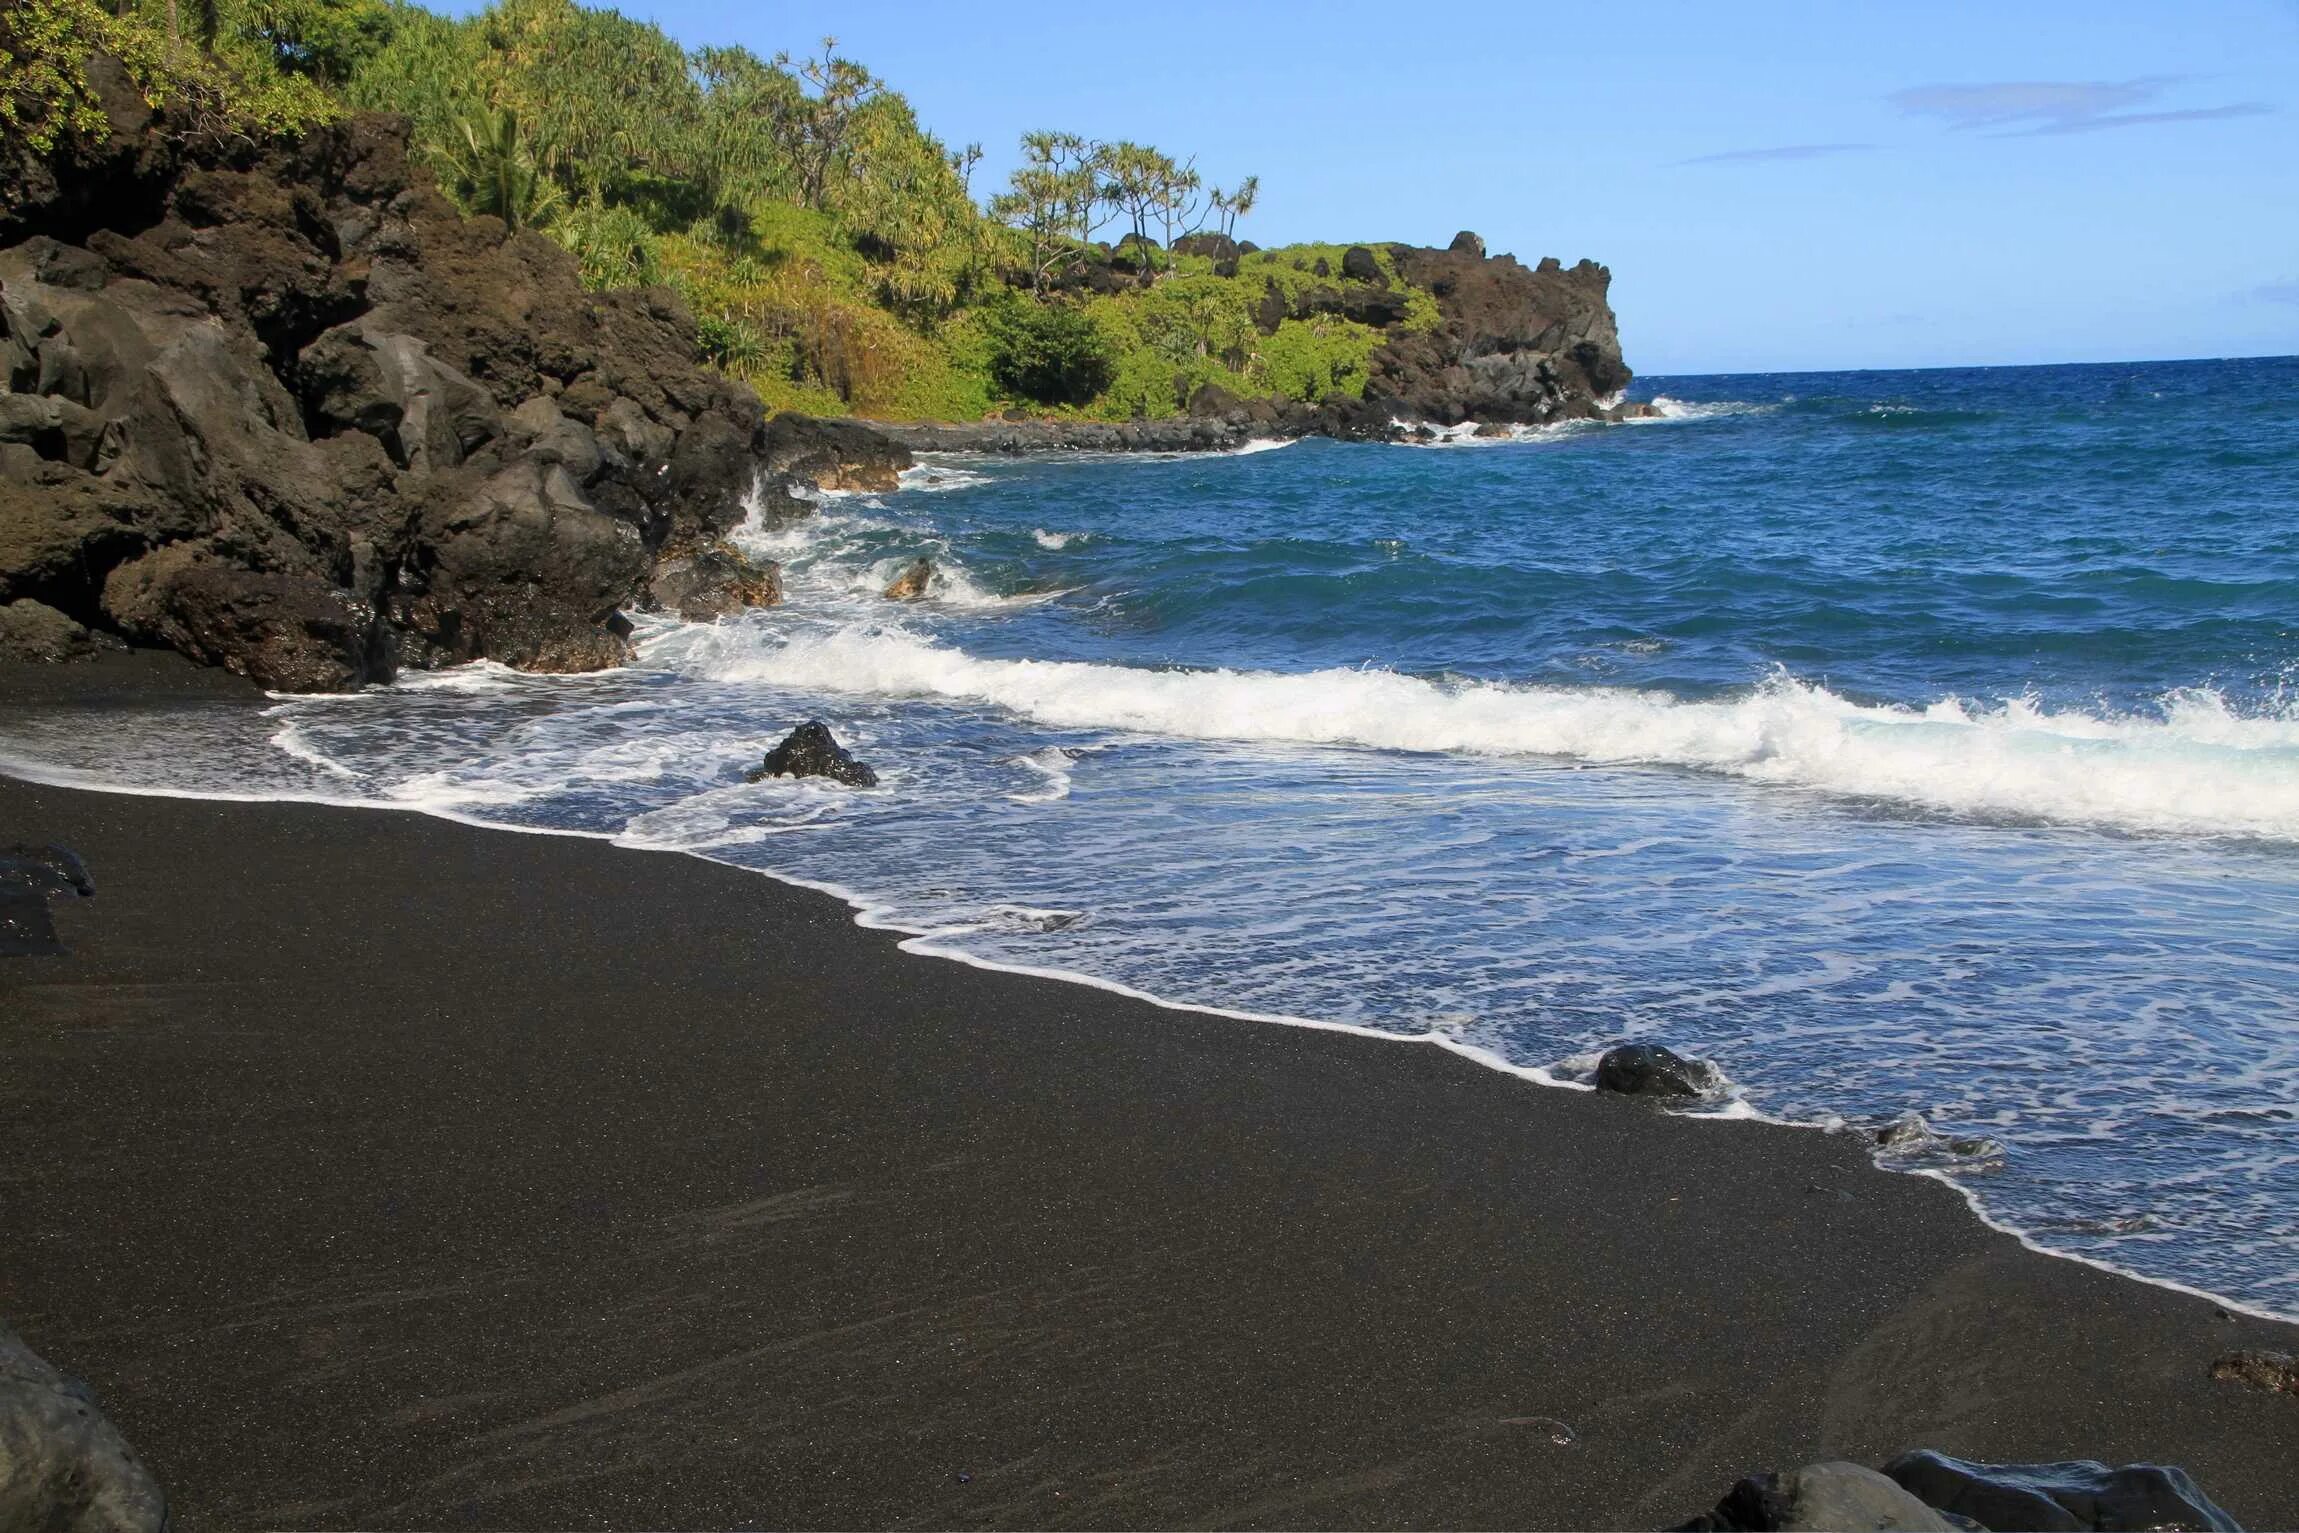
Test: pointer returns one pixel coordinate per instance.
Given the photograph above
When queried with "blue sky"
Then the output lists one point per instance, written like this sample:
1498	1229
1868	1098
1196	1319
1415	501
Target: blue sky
1774	185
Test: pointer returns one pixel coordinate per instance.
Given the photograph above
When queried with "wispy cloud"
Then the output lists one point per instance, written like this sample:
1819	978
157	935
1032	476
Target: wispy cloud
2027	108
1780	152
2277	292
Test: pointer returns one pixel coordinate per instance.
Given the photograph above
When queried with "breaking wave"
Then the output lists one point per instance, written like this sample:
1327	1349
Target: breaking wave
2193	766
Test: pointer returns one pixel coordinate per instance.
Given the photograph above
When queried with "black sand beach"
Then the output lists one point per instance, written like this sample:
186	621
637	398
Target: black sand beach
378	1171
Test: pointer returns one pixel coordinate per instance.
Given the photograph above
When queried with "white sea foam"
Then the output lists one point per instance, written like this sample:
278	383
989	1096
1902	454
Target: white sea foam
1053	765
1700	410
932	478
2195	767
1057	541
1475	433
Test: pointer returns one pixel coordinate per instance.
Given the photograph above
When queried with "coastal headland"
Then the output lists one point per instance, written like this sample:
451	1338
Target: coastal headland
370	1182
285	408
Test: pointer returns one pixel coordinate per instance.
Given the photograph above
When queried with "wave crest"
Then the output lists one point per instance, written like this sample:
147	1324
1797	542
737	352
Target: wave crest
2194	767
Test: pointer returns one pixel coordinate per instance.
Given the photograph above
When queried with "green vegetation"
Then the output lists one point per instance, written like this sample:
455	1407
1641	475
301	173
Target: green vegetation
832	249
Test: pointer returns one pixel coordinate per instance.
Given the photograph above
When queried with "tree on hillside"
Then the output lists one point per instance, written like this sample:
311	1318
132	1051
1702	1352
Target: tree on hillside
1057	198
1180	204
826	118
1234	204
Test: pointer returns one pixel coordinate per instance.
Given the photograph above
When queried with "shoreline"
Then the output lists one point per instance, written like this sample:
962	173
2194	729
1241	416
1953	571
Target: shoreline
922	944
782	1225
143	676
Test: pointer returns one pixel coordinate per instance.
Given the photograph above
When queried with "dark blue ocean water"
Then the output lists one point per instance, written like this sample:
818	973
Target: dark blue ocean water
1905	742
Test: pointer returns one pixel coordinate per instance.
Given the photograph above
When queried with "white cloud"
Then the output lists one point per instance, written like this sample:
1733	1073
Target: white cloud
2029	107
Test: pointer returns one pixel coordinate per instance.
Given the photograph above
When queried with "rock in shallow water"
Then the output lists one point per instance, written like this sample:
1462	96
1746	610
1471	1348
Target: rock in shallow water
911	584
1910	1141
2050	1498
63	1467
1648	1070
811	750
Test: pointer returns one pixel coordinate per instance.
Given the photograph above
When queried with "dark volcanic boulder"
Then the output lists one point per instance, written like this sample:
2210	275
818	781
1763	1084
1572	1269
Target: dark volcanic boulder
811	751
281	632
712	582
1845	1498
1647	1069
1214	247
1468	244
31	630
2049	1498
63	1467
834	454
1358	265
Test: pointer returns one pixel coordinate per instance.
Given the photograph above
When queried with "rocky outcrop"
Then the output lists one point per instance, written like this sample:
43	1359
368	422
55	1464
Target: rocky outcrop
283	409
2049	1498
1518	344
1648	1070
63	1467
811	750
834	454
1513	345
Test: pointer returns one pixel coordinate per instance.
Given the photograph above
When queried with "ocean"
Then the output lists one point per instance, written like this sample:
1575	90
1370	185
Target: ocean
1904	742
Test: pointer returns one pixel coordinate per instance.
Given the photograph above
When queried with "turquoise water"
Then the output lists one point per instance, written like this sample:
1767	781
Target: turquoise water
1902	741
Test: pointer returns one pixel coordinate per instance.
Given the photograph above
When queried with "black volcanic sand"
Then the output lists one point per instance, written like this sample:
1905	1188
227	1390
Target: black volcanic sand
381	1171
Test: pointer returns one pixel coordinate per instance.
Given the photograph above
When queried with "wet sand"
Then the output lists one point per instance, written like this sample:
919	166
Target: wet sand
380	1171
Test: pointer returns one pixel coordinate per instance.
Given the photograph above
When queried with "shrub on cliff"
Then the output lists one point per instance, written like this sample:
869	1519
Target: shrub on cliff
1049	353
250	68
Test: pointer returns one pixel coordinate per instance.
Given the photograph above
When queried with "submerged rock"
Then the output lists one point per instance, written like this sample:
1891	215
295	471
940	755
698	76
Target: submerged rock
63	1467
911	584
1846	1498
1908	1139
1648	1070
2049	1498
2277	1371
811	750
